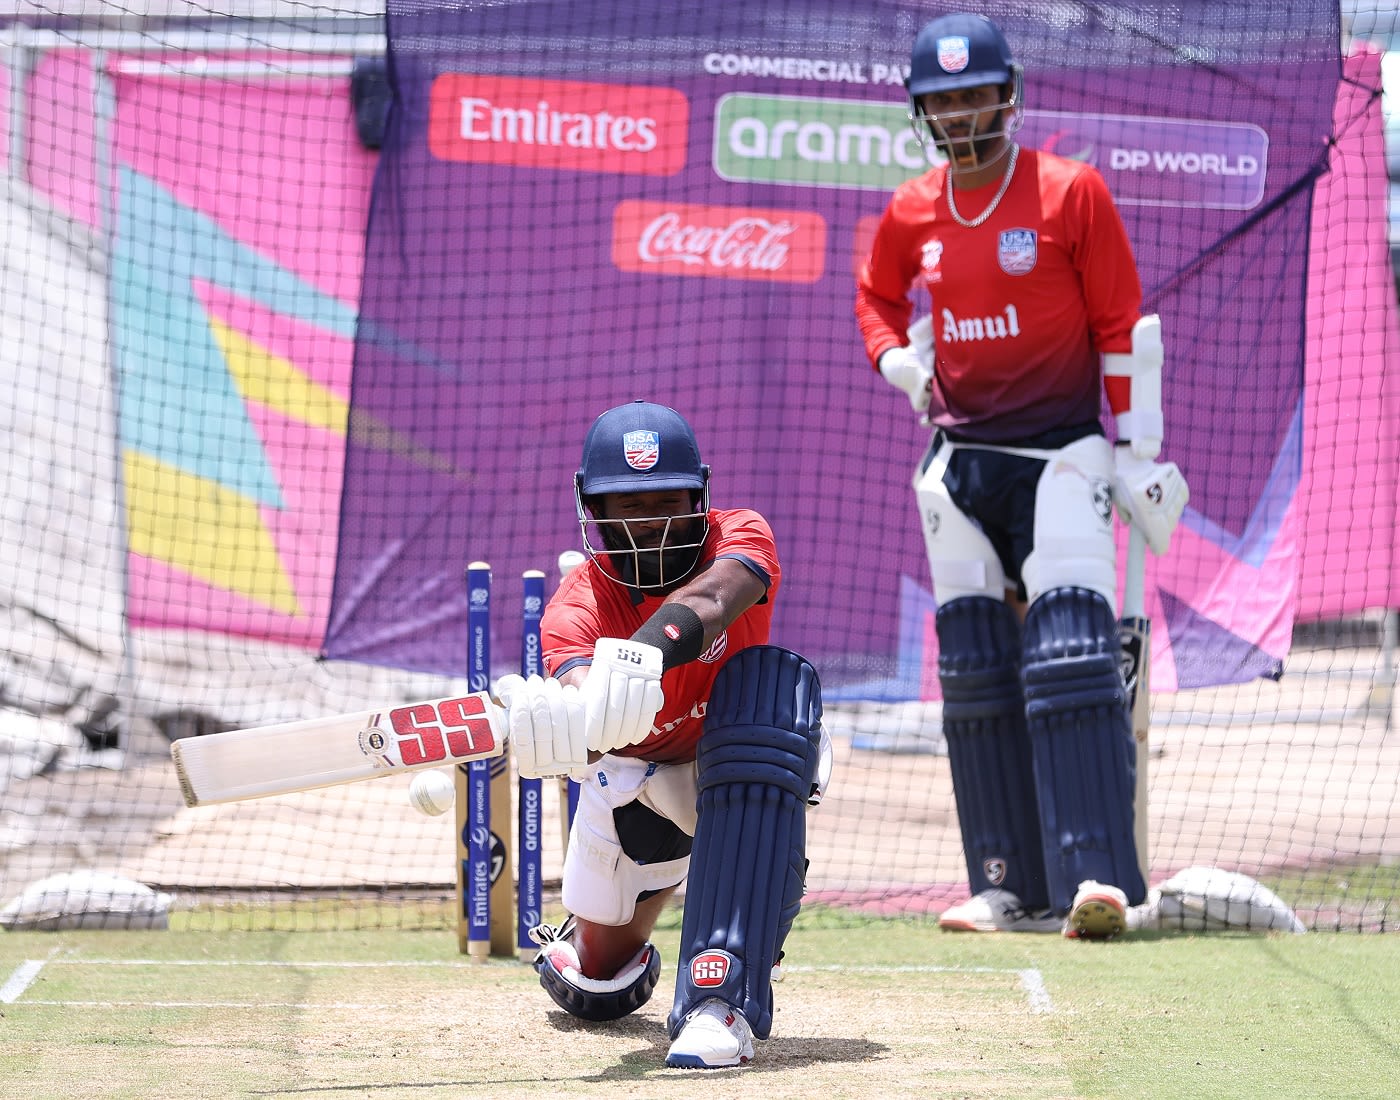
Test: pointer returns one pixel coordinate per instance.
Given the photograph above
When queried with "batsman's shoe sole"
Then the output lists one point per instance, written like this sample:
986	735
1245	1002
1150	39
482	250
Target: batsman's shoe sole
1099	912
714	1036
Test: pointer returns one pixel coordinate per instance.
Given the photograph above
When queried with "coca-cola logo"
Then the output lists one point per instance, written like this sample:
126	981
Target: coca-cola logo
719	241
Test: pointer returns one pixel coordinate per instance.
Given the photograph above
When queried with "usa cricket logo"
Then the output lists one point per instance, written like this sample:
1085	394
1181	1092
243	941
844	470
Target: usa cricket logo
1016	251
641	448
953	53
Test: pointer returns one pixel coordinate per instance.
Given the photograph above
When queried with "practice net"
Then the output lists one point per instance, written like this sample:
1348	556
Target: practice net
307	306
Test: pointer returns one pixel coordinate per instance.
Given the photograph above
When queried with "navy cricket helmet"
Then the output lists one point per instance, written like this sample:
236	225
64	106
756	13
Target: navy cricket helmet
959	51
642	447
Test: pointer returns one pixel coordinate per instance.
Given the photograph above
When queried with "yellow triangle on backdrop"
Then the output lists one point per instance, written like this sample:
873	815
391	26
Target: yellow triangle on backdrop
200	527
277	383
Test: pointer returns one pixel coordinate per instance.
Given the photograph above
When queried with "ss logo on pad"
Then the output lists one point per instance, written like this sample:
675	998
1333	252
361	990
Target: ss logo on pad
709	969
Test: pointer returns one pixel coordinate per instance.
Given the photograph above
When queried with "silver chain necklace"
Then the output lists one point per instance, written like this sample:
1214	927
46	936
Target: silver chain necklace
973	223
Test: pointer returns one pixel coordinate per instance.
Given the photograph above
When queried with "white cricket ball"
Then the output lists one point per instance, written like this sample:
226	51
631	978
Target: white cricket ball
570	560
432	792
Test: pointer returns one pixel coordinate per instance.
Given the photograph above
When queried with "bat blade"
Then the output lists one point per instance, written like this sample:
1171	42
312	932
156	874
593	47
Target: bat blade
344	748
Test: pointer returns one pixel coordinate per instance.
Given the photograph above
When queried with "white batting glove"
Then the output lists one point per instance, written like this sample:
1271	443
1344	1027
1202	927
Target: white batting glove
545	720
621	693
905	371
1150	495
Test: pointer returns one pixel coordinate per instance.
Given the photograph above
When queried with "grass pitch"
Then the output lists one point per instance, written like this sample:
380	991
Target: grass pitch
877	1009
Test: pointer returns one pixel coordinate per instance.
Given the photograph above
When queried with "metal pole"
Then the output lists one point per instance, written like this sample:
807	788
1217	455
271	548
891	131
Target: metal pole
104	113
20	61
1383	689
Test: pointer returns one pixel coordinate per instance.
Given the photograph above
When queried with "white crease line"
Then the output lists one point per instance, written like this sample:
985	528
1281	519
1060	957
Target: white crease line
79	960
1033	982
214	1004
837	968
292	964
22	978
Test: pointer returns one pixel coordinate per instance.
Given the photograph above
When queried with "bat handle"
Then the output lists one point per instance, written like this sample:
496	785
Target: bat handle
1133	585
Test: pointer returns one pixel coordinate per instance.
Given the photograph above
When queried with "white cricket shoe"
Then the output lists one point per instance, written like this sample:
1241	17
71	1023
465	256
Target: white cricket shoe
1099	912
713	1036
997	911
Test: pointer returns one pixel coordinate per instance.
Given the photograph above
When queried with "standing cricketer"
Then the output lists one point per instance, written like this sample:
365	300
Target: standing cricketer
1035	310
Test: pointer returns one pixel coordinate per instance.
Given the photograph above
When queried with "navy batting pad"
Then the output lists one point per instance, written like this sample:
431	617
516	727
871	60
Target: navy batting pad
989	749
756	763
1082	741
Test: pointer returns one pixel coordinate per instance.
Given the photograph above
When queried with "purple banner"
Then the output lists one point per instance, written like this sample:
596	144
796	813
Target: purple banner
582	203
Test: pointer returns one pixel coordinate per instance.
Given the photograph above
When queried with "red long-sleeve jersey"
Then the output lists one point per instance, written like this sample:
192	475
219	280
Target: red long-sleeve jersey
1022	305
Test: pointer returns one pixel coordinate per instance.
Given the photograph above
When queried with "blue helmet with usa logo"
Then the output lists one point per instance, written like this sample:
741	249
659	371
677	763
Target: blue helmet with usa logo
959	51
952	54
649	543
640	447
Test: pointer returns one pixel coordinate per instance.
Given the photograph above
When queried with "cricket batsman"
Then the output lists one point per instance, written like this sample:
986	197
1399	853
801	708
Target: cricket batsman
698	745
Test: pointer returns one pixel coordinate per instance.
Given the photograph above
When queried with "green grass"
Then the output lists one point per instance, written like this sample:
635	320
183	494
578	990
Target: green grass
874	1008
1359	893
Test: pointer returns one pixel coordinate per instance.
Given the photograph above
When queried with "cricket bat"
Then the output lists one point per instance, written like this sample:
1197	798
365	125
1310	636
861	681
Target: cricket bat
1135	636
342	748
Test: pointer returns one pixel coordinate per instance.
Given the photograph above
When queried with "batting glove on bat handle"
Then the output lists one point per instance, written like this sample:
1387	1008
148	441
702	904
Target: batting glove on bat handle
621	694
905	371
1150	495
545	726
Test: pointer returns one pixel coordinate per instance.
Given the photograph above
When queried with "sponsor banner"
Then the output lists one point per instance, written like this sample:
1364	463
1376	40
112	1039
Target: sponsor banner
541	249
560	124
1161	161
815	142
826	70
719	241
852	143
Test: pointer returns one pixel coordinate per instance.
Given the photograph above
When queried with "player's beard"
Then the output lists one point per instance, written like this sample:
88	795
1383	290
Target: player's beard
977	149
655	568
